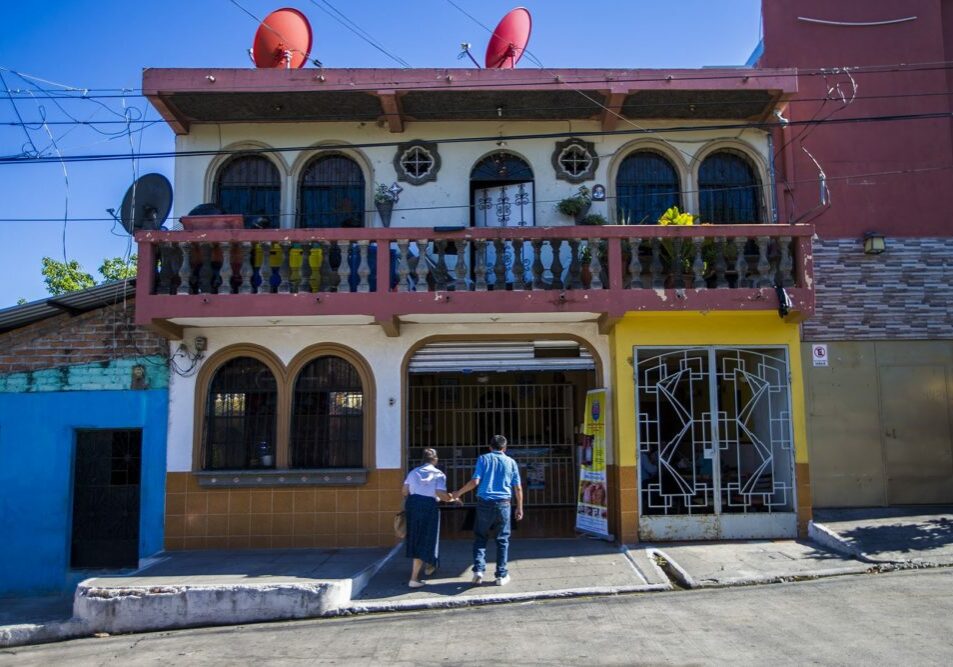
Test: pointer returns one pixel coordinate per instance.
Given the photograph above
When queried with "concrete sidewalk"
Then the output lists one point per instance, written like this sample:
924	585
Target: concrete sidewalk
903	535
538	568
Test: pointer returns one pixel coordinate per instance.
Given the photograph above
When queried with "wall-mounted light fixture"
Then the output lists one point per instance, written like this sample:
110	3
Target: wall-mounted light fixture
874	243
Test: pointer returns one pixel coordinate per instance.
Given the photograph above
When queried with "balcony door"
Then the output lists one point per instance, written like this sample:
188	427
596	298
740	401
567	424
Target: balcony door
716	451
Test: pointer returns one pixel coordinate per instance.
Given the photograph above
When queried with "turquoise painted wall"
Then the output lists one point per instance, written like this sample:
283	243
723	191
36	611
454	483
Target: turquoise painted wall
37	440
112	375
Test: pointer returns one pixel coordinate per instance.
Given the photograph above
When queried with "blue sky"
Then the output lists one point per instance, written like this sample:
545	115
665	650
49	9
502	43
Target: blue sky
106	44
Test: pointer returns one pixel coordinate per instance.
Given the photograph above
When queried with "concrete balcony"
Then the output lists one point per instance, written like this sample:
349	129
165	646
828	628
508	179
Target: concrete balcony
231	277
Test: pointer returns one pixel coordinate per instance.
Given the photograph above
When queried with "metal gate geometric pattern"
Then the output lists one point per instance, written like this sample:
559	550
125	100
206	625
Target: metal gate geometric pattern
714	430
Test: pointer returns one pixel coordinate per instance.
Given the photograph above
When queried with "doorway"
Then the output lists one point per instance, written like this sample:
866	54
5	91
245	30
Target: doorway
461	394
106	485
715	444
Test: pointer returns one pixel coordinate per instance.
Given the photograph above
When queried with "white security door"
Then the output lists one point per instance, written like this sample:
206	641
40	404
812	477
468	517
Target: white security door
716	455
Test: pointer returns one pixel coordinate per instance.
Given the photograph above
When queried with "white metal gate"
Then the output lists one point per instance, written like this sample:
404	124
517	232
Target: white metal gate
716	454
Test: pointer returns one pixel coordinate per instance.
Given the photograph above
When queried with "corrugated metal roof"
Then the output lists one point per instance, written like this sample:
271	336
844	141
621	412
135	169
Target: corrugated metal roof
74	303
476	356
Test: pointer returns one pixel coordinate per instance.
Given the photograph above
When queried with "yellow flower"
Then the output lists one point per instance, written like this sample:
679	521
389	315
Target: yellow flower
675	217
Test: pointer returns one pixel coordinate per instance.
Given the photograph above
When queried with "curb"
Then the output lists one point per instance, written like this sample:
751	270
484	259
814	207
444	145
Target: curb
34	633
453	603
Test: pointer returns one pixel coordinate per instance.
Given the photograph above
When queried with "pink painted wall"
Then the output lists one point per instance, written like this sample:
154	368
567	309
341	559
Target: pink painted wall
909	204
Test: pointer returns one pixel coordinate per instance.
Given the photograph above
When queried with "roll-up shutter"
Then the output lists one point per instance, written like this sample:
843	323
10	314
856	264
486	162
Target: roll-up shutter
475	356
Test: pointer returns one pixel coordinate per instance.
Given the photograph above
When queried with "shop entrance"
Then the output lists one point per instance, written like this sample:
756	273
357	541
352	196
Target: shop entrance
716	452
524	391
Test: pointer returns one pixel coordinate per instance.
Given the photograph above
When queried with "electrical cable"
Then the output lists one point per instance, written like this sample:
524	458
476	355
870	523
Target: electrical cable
360	32
8	159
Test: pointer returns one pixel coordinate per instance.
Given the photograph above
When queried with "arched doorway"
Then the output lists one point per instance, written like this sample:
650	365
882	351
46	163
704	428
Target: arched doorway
501	192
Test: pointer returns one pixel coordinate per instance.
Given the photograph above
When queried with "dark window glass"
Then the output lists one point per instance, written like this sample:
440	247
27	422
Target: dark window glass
240	416
728	190
332	193
327	419
646	186
502	166
249	185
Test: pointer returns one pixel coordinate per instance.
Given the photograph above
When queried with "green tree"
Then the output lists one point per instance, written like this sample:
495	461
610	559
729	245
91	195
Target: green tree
64	277
117	268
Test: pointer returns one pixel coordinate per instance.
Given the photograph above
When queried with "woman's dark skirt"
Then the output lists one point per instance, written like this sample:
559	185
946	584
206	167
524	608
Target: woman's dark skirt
423	528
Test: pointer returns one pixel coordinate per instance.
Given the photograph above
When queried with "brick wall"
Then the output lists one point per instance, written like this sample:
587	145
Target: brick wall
904	293
100	335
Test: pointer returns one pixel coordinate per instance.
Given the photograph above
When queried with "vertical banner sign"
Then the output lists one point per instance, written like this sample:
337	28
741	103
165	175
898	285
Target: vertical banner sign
592	505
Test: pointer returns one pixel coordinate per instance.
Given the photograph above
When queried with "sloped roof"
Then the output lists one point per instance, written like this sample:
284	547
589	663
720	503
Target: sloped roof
74	303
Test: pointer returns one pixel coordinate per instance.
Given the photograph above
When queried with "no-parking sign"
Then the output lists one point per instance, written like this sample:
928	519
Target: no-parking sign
819	354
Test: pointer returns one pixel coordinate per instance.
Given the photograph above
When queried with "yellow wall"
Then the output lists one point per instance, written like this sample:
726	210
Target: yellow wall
697	329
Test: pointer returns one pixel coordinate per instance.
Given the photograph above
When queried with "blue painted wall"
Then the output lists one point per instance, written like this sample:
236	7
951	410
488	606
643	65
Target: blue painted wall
37	440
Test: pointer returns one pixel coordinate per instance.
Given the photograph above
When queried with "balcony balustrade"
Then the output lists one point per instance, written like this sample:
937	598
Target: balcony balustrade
389	273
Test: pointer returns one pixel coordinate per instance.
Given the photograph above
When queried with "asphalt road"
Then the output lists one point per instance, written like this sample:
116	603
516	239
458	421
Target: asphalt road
897	618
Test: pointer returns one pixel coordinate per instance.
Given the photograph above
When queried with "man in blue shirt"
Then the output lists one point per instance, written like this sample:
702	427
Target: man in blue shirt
497	480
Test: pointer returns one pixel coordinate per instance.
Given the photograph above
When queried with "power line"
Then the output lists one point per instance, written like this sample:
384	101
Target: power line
360	32
757	186
7	160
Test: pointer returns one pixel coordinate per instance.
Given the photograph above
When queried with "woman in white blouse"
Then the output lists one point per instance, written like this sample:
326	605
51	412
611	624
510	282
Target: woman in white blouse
423	487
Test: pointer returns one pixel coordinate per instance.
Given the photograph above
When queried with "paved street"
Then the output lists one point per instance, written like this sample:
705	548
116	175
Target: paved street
902	617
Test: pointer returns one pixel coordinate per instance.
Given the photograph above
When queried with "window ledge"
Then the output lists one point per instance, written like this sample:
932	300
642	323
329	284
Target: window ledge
211	479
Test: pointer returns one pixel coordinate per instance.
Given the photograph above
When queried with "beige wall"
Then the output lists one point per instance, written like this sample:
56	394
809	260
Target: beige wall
879	423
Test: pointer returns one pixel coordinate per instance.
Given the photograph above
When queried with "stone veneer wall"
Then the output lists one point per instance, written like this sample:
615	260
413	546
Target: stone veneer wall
904	293
266	518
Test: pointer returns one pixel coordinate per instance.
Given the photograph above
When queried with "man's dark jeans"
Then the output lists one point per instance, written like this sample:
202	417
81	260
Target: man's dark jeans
491	514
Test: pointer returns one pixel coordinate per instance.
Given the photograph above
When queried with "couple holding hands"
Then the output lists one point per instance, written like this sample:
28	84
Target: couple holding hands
496	479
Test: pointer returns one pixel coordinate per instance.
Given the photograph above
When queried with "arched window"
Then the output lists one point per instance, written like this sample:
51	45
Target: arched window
327	416
501	191
646	186
240	416
331	193
728	189
250	185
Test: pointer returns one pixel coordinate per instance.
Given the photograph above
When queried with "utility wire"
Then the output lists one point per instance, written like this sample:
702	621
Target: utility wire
756	186
338	16
7	160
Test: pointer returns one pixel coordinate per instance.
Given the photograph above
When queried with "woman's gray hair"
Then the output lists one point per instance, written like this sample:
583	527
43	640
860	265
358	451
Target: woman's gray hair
429	455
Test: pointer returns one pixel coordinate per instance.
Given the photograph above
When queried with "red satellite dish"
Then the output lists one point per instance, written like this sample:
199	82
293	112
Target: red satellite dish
283	40
509	39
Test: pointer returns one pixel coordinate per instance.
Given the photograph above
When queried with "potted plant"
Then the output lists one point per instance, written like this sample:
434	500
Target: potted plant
594	219
576	206
384	200
682	265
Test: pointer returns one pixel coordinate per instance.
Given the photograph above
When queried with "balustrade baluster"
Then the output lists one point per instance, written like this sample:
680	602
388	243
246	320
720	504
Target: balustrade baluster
575	271
344	268
328	278
538	265
479	271
422	270
441	276
460	270
677	268
225	273
634	277
247	271
656	268
721	266
764	266
364	268
284	268
304	272
595	263
185	268
403	268
519	269
499	266
786	263
741	262
698	266
166	260
206	274
264	271
557	265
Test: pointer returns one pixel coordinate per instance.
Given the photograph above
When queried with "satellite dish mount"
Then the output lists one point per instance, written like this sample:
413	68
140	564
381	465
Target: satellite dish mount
147	203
